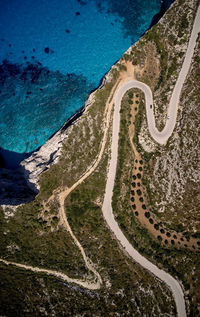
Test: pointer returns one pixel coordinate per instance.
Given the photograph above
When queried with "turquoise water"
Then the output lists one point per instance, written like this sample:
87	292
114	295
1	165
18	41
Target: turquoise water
52	54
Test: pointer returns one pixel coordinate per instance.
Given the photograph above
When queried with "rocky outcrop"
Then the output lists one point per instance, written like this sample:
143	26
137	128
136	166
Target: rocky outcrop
50	152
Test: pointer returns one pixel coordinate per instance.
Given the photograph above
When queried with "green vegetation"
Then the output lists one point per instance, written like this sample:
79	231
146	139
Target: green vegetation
27	238
84	141
165	254
34	236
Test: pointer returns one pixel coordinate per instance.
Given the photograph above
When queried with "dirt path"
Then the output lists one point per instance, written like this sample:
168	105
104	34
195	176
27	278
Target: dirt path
61	195
107	208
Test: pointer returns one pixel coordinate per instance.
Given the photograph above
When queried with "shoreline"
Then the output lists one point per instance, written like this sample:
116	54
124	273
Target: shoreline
48	154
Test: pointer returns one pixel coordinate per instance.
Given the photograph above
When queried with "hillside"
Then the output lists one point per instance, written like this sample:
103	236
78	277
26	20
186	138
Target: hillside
155	198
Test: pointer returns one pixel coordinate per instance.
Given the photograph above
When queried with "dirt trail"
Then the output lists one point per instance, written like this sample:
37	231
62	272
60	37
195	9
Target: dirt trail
107	208
61	194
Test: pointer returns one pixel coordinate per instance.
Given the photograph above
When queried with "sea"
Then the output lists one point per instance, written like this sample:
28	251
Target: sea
52	55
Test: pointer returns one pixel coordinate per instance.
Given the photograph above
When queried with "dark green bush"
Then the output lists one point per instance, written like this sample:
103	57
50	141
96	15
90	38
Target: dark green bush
156	226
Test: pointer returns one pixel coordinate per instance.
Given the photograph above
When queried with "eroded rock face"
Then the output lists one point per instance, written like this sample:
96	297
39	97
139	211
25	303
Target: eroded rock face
41	160
50	152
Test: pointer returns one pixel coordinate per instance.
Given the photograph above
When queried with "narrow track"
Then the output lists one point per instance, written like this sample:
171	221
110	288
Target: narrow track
160	137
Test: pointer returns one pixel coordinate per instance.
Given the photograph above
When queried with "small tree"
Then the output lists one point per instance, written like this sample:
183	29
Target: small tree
147	214
156	226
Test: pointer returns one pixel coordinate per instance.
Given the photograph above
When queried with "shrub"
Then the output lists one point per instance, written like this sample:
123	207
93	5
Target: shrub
138	184
139	193
147	214
156	226
132	192
174	236
168	234
130	102
141	162
134	206
162	230
159	238
144	206
133	184
151	221
135	108
134	177
136	213
141	199
132	199
138	175
140	168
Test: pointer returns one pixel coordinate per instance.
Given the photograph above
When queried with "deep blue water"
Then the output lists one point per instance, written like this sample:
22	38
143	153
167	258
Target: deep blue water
52	54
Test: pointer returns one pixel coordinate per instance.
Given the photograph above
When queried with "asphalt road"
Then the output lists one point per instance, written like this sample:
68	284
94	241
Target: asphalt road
160	137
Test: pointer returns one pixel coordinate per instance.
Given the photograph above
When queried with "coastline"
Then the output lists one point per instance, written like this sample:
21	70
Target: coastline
49	153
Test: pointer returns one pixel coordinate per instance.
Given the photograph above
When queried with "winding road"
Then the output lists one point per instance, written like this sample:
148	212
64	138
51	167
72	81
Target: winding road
160	137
